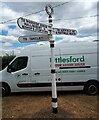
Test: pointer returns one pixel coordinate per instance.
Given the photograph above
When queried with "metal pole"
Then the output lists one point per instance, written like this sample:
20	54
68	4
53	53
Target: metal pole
53	75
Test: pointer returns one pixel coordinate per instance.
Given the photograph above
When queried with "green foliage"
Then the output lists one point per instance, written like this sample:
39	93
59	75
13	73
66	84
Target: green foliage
5	60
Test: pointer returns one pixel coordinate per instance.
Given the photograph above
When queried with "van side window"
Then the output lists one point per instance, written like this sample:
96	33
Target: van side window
19	63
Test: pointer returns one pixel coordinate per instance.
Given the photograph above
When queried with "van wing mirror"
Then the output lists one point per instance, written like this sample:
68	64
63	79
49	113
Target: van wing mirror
9	69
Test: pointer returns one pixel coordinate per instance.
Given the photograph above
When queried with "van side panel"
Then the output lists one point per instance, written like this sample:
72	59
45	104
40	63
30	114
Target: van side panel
78	66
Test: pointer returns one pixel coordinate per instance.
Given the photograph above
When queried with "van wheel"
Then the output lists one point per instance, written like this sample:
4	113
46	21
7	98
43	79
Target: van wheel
91	88
5	90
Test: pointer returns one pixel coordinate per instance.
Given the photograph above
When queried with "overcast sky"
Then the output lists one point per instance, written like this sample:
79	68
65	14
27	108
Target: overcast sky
81	16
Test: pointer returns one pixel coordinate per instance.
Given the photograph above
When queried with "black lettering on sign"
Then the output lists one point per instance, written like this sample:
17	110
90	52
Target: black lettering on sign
24	38
23	19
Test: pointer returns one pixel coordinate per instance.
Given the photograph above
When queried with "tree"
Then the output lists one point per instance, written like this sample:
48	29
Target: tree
5	60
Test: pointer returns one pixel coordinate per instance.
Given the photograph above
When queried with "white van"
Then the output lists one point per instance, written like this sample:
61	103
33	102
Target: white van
76	69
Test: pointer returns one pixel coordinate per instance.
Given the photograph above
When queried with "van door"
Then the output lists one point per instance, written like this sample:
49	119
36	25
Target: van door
41	71
19	74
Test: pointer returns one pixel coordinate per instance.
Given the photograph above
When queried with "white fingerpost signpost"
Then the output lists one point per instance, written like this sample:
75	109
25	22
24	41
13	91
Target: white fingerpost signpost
47	35
49	11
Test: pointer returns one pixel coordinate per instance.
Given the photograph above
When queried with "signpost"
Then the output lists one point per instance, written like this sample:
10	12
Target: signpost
49	11
48	31
33	38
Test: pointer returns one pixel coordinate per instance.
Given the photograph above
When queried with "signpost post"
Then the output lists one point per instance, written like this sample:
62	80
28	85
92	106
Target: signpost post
49	11
47	35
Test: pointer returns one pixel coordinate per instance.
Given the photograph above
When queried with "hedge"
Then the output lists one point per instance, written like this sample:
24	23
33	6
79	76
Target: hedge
5	60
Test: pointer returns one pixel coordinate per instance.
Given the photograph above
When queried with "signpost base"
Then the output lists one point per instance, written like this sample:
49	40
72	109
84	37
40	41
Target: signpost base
55	110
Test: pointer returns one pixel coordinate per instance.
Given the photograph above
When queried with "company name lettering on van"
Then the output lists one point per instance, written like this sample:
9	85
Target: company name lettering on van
69	59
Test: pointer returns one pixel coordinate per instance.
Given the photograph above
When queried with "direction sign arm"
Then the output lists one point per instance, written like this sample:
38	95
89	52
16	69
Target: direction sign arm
32	25
59	31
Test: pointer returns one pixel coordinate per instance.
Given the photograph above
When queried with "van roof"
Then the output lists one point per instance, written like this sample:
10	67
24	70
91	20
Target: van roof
37	47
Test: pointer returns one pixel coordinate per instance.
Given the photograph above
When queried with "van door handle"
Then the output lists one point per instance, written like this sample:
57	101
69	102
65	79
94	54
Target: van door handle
37	73
25	74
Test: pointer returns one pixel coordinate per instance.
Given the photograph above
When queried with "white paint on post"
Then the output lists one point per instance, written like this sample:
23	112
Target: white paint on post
54	104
